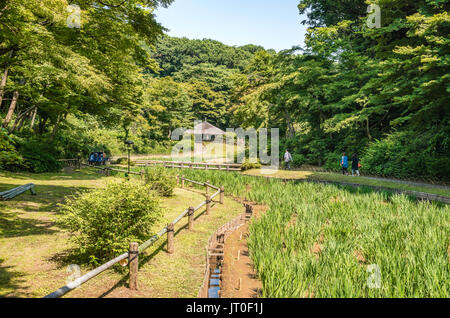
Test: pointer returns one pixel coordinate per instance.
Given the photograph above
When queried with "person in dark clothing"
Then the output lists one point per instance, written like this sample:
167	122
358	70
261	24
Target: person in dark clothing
355	165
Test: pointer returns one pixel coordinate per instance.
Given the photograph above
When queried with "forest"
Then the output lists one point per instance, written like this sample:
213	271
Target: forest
380	92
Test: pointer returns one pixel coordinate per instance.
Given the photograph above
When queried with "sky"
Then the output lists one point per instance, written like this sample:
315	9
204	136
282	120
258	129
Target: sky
273	24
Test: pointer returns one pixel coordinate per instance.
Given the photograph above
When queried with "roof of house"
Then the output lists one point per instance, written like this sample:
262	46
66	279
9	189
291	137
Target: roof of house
206	129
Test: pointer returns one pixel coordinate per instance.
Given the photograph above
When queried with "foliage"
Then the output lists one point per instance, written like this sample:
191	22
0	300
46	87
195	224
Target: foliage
298	160
10	159
59	71
250	164
169	108
407	155
160	180
39	155
104	221
351	85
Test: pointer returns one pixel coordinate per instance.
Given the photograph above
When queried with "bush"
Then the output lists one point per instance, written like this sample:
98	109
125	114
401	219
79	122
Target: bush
104	221
10	159
160	180
333	160
298	160
247	165
40	156
407	154
124	161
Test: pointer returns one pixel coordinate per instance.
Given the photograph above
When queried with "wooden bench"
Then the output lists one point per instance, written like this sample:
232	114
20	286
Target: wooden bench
7	195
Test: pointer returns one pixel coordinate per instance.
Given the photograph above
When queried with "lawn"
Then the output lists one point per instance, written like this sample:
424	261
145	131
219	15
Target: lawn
320	240
34	252
336	177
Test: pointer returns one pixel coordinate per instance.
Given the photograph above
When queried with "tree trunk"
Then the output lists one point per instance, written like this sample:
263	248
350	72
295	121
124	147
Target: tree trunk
55	129
20	119
368	129
290	129
3	85
33	118
5	77
12	107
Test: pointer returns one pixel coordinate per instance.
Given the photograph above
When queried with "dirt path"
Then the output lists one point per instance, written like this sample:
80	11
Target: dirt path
239	276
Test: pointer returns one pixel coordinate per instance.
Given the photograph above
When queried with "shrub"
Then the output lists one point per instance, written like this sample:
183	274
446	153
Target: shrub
40	155
332	161
407	154
10	159
124	161
247	165
298	160
104	221
161	180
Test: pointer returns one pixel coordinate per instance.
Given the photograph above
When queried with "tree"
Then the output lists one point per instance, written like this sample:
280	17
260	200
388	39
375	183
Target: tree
169	107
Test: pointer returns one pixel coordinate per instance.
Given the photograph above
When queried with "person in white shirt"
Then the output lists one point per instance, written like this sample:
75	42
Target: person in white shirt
287	160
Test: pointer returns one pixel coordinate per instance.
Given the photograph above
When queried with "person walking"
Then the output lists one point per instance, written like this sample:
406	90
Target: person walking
355	165
344	164
287	159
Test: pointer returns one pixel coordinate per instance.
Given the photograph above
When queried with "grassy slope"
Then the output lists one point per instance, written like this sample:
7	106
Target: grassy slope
335	177
318	240
33	251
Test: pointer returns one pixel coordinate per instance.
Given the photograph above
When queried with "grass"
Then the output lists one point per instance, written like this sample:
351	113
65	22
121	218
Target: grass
319	240
34	252
336	177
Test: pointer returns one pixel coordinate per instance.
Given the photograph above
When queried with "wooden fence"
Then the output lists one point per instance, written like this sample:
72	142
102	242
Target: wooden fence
133	254
107	170
75	163
190	165
212	281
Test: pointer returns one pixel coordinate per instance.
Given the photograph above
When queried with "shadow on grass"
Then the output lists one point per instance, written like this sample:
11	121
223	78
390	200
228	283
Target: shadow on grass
13	226
83	174
9	280
46	199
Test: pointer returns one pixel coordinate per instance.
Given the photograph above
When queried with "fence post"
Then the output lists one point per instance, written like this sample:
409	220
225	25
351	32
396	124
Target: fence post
191	218
222	195
133	260
208	204
142	174
182	182
178	180
170	237
207	187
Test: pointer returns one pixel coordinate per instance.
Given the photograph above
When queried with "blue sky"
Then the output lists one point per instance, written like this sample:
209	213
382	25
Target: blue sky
273	24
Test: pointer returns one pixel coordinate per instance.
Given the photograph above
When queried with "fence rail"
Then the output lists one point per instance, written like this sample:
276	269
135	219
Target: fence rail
133	255
190	165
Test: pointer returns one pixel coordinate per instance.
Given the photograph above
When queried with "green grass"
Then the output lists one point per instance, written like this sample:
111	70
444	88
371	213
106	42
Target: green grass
35	253
318	240
335	177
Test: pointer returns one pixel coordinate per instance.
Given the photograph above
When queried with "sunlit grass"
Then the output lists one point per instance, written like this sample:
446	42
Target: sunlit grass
34	251
318	240
336	177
